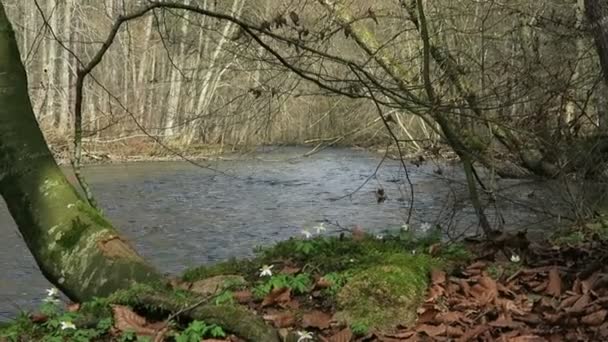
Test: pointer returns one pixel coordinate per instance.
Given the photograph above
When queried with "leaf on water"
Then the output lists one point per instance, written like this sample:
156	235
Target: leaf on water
316	319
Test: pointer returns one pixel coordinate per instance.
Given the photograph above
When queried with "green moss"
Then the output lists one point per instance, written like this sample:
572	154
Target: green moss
243	267
385	295
568	237
331	254
72	236
92	213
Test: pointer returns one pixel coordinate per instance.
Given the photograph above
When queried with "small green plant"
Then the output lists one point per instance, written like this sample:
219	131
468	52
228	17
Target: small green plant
130	336
336	281
299	284
226	297
305	247
198	330
359	329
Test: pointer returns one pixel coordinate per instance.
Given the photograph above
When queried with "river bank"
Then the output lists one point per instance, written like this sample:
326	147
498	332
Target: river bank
403	285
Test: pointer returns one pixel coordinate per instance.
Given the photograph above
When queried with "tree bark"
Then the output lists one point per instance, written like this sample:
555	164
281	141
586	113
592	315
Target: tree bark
597	14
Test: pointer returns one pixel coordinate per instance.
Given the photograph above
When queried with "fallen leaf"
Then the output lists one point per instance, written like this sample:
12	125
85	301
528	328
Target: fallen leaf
322	283
454	331
596	318
344	335
477	265
73	307
127	320
438	277
427	315
569	302
289	270
242	296
282	319
280	295
452	317
472	334
434	249
554	286
527	338
38	318
432	330
316	319
580	304
358	233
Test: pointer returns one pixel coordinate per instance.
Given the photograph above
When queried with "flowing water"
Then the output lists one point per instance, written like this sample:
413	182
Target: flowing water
179	215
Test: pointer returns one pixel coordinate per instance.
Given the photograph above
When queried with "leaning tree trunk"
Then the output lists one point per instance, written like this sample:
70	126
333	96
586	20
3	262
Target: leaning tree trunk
75	247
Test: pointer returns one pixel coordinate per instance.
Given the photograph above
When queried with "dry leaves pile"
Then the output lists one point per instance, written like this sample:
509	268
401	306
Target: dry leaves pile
534	304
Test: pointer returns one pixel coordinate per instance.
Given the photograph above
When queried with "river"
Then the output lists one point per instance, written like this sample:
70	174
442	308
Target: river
179	215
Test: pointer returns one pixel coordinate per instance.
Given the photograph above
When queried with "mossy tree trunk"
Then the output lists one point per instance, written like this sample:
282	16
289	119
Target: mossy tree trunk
75	247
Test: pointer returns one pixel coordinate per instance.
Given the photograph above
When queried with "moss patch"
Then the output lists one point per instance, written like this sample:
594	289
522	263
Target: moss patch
231	267
385	295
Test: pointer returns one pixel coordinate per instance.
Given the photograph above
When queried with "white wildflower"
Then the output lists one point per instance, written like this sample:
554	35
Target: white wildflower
320	228
515	258
52	292
266	270
67	325
425	227
306	234
304	336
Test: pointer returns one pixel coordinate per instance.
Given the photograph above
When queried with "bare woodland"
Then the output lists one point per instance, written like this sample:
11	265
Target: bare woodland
515	86
191	78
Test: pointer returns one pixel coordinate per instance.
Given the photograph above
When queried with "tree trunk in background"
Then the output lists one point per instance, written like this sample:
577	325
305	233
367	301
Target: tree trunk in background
75	248
176	80
597	14
64	122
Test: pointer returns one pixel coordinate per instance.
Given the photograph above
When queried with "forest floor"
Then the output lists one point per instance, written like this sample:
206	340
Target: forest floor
395	287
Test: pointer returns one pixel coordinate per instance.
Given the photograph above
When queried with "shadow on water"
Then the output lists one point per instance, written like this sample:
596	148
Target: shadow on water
180	216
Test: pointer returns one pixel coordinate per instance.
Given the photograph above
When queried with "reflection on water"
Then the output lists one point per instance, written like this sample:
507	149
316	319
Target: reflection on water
180	216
